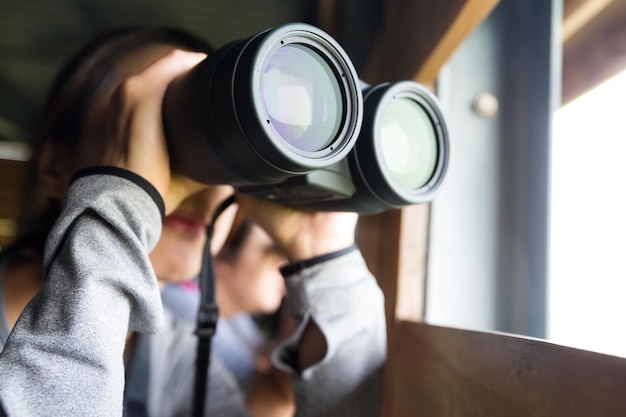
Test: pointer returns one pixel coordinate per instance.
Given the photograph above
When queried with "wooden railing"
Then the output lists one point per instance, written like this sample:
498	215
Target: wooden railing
439	371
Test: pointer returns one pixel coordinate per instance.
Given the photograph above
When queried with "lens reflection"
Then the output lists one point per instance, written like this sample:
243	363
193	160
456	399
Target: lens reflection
408	143
302	98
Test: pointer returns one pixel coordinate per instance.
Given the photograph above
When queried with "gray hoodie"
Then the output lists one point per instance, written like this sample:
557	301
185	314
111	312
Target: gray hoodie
64	356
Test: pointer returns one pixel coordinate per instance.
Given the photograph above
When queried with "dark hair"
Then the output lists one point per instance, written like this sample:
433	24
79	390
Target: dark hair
80	81
239	231
91	70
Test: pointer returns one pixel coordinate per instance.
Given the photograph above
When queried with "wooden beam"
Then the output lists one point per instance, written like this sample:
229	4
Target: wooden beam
596	52
412	259
470	15
418	37
379	240
395	245
577	18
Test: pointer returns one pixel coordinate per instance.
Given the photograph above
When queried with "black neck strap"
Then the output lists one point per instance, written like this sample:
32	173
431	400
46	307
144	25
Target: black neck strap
207	317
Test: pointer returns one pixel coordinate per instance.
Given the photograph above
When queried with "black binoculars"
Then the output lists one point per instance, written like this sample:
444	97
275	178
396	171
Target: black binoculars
283	115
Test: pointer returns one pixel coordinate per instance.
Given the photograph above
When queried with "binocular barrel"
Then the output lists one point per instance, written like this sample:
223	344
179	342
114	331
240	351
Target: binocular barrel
282	115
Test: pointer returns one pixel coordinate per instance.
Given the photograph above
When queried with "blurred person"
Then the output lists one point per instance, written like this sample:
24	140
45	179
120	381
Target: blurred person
249	292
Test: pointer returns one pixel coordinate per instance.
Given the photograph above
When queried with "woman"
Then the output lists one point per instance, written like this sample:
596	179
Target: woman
102	155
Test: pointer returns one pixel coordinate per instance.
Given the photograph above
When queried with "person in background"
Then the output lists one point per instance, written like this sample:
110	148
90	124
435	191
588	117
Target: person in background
101	156
249	292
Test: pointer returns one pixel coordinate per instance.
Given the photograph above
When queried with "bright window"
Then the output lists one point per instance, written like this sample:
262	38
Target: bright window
587	291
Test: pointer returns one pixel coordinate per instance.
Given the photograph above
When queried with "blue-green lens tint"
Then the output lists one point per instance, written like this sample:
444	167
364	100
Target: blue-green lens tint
302	98
408	142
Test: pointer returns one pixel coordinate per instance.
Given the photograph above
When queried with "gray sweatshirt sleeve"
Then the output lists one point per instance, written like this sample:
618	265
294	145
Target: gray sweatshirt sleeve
64	356
342	297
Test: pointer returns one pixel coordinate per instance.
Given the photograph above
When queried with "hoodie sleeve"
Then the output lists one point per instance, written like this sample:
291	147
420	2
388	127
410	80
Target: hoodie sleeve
341	296
65	354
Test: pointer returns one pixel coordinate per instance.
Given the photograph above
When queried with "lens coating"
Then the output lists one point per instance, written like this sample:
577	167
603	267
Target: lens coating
302	98
408	142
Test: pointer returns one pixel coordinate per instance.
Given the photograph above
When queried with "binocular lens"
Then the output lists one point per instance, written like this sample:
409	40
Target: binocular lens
302	97
261	110
408	142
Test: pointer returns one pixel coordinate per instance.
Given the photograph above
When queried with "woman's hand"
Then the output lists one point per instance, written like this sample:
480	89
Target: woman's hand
301	234
134	126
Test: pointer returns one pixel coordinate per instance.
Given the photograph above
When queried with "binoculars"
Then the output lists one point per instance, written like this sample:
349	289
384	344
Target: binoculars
282	115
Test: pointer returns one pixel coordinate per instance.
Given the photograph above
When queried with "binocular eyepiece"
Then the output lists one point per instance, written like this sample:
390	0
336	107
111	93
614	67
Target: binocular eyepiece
282	115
